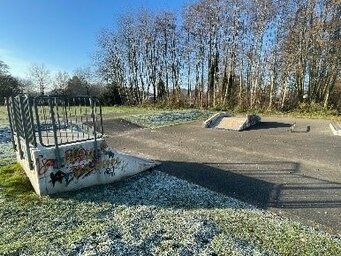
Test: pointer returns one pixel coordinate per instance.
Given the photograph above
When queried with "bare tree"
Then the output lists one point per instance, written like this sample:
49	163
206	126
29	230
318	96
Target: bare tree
60	80
26	85
40	76
3	68
246	53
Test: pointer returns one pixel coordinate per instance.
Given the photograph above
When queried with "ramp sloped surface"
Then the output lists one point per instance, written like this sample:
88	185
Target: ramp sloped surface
336	128
228	122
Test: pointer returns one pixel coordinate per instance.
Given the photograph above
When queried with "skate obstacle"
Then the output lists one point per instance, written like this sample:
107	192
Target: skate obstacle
225	120
60	145
336	128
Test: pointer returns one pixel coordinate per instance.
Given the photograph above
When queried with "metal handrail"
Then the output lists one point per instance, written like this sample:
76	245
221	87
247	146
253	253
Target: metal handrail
53	121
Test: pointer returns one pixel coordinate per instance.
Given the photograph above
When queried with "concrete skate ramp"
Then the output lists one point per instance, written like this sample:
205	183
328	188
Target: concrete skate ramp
225	120
62	148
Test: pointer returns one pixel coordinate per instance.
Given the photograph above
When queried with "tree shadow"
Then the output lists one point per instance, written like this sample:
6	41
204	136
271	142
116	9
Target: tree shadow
272	184
265	184
155	189
277	184
119	125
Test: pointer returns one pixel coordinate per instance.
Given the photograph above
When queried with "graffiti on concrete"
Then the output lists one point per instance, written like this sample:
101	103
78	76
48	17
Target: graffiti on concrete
110	171
75	155
79	163
44	164
61	176
113	162
57	177
84	170
109	153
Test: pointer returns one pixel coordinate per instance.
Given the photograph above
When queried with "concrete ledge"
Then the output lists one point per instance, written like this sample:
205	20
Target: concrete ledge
336	128
209	123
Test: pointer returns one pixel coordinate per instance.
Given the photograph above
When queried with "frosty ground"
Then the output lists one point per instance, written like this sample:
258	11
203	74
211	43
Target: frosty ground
151	213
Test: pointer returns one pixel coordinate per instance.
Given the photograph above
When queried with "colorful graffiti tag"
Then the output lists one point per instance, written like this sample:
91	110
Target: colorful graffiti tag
44	164
84	169
74	155
80	163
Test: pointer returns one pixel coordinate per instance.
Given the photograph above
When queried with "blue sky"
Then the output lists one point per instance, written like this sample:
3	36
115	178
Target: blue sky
61	33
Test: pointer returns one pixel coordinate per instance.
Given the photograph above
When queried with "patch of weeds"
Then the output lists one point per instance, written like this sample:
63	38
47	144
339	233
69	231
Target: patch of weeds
14	183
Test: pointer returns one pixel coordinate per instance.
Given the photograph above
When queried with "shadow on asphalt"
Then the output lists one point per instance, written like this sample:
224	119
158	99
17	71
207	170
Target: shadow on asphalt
269	125
273	184
119	125
265	184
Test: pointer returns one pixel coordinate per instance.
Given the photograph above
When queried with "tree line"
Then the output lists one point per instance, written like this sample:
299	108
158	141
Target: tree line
236	54
40	81
246	54
9	85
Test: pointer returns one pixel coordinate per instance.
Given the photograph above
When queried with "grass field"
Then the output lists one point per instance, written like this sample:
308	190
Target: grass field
148	214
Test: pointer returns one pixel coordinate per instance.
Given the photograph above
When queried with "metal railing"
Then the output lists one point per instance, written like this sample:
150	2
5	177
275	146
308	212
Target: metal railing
53	121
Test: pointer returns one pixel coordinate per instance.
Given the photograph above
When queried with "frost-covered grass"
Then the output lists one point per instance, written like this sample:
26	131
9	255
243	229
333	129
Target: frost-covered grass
165	118
3	115
155	117
7	155
129	110
150	214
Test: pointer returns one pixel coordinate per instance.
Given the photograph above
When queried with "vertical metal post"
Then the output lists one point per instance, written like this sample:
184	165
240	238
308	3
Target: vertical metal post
70	111
58	120
93	105
30	106
101	117
66	119
38	121
46	124
54	127
86	117
10	116
17	128
24	126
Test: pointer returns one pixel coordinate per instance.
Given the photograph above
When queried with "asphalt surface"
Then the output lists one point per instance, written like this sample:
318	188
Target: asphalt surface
295	174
